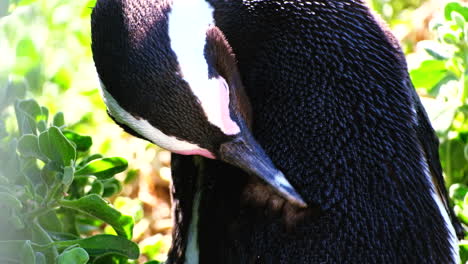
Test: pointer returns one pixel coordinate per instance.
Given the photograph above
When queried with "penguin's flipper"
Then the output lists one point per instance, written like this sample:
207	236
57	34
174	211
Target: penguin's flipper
430	144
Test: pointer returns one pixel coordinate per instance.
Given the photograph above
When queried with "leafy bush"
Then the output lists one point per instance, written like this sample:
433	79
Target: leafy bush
51	193
443	77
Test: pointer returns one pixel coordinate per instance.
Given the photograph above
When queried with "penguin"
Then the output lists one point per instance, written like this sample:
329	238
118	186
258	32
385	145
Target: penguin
296	133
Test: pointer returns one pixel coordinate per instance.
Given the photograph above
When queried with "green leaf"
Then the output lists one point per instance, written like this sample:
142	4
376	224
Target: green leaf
95	206
103	168
457	192
41	126
44	115
89	159
435	90
132	175
457	151
54	145
40	258
451	38
459	20
457	7
63	78
435	49
40	236
27	255
88	8
83	143
104	244
28	146
27	56
62	236
27	112
59	120
111	187
10	201
51	222
68	173
75	255
429	74
63	146
97	188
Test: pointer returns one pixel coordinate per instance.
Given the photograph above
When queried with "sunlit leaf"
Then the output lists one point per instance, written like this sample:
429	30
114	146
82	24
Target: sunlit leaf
27	56
103	168
457	7
83	143
87	9
429	74
458	191
96	206
459	20
63	78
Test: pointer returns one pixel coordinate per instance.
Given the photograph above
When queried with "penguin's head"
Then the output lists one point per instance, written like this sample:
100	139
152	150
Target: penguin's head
169	76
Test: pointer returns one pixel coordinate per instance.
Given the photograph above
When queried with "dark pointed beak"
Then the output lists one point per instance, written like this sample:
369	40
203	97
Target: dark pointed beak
244	152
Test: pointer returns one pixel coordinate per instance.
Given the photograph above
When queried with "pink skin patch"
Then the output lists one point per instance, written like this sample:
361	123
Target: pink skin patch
201	152
228	125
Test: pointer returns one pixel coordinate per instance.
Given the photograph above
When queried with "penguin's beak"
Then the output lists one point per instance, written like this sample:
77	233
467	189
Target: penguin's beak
244	152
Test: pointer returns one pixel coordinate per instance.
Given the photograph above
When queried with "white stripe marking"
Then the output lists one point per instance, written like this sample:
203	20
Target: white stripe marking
188	22
453	240
192	254
145	129
448	223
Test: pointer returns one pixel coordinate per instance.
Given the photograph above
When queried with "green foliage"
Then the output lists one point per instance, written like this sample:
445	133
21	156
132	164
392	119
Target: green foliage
50	194
391	10
443	76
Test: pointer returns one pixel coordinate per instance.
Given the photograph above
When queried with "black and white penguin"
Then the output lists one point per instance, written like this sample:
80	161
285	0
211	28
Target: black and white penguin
324	89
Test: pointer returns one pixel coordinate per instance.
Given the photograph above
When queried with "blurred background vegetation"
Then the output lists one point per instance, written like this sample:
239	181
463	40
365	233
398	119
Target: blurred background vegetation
45	54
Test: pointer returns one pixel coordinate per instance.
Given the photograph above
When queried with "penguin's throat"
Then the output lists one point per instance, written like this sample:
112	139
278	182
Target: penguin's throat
201	152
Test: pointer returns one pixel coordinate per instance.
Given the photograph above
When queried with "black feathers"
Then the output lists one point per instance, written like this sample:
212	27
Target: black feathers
333	109
134	60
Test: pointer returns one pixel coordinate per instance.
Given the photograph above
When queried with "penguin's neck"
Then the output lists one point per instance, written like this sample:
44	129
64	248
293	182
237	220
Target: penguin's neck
188	23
